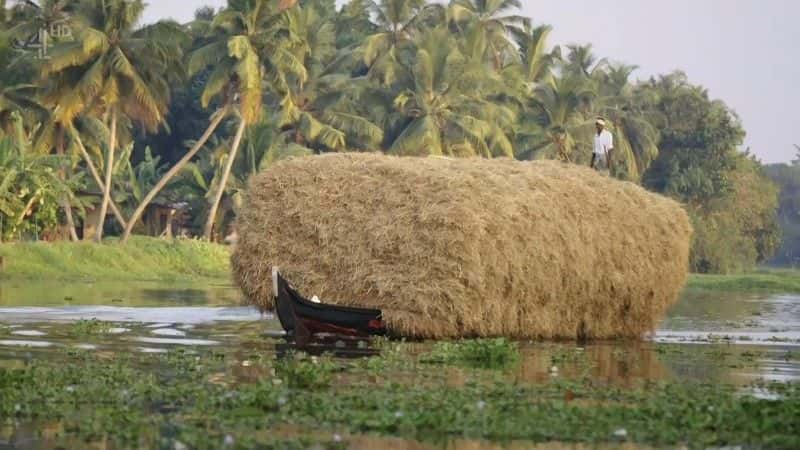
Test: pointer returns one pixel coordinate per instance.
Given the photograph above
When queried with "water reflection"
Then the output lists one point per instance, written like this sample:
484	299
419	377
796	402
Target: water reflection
744	337
713	312
623	364
339	349
183	315
157	293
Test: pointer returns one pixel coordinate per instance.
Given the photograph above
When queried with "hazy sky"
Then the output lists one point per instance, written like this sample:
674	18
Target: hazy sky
744	51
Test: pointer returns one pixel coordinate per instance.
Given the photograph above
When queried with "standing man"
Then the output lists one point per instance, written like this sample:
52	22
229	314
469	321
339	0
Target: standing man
603	145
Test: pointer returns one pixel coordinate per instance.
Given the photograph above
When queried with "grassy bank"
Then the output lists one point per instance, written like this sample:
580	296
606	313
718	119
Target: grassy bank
765	280
140	260
146	259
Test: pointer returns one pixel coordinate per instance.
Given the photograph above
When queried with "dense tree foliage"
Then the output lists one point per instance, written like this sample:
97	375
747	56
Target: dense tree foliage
787	177
186	113
729	196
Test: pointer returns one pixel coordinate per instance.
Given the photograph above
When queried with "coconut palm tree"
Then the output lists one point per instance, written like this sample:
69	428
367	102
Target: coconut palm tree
22	99
219	88
114	70
353	24
443	101
87	128
83	140
558	120
322	112
246	48
581	61
199	180
196	183
561	120
254	33
261	146
398	21
635	137
492	21
537	61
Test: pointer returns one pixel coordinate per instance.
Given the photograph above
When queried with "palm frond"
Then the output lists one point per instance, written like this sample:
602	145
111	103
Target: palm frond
215	84
353	124
374	46
421	137
317	131
283	151
206	56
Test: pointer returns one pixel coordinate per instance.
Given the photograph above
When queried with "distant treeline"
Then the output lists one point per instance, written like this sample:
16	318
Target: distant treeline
787	177
99	113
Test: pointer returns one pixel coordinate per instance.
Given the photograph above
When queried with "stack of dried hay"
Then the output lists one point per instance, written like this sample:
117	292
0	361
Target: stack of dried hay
466	247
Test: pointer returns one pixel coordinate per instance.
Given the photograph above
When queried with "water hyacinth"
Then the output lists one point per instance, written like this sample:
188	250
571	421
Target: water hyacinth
486	353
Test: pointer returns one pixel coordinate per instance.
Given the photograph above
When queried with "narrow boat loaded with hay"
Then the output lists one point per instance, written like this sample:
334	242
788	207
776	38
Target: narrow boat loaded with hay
465	247
302	319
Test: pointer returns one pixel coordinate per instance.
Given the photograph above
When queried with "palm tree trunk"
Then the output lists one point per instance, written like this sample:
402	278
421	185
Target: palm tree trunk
496	57
216	120
225	174
28	208
73	235
90	164
109	172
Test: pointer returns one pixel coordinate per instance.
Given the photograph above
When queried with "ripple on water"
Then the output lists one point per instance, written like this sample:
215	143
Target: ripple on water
29	333
168	332
148	340
763	338
157	317
21	343
86	346
151	350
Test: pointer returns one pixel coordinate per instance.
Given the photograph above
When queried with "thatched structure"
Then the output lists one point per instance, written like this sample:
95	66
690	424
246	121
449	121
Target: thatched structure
466	247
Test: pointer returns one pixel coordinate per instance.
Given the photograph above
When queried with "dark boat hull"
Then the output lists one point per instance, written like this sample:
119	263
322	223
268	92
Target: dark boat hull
304	319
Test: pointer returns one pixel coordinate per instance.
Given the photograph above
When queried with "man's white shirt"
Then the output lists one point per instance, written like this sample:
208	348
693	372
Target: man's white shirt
603	142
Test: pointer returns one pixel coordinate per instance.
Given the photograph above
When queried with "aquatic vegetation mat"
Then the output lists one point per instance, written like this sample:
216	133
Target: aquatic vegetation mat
211	399
88	327
485	353
466	247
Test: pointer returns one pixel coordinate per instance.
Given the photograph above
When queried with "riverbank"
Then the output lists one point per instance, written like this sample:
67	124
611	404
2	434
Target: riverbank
142	259
761	281
151	259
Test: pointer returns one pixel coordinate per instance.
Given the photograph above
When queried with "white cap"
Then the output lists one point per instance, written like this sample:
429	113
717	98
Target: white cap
601	122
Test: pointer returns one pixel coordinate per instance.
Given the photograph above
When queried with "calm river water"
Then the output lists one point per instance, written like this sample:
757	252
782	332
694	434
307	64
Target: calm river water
725	337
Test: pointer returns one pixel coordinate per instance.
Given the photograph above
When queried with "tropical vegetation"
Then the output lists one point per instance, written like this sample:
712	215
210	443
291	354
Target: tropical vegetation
787	177
119	116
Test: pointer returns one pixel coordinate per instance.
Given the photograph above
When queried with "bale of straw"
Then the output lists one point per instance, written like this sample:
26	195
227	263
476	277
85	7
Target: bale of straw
466	247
